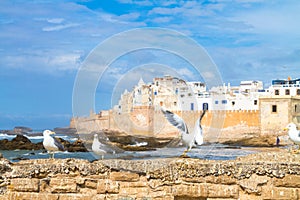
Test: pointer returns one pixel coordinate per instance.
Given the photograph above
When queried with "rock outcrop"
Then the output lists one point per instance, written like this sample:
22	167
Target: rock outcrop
19	142
268	175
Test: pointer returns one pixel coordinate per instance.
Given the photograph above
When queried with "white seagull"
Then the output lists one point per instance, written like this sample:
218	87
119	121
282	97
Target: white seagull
188	139
294	134
51	144
100	148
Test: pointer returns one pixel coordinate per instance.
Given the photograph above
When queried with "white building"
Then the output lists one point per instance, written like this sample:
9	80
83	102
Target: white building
177	94
285	87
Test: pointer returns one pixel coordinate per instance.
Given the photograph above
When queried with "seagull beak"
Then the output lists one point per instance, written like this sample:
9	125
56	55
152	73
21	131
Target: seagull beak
285	129
52	132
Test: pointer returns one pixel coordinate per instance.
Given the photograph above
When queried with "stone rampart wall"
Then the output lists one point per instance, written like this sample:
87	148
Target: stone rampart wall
262	176
218	125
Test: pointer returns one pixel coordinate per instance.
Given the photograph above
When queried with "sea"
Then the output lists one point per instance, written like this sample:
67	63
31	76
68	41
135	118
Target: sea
210	151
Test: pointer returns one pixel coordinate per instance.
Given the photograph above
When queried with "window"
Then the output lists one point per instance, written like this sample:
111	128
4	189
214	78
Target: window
298	91
205	106
274	108
276	92
255	102
192	106
175	103
161	103
233	103
216	102
287	92
224	101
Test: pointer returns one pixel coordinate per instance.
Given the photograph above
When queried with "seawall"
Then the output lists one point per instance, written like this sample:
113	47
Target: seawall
219	126
268	175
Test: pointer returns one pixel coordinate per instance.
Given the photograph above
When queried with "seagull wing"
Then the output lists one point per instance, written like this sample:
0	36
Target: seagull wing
176	121
58	144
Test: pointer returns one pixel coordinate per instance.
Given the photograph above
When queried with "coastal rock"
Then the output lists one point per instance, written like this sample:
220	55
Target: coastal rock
77	146
19	142
22	130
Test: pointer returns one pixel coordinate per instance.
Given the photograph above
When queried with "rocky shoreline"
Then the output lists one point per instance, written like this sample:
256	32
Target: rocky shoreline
122	140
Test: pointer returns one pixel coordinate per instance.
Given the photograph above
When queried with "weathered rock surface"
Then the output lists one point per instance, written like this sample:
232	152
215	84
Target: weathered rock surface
268	175
19	142
22	142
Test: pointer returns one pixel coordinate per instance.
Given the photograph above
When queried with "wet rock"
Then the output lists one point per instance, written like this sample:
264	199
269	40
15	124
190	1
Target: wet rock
22	130
19	142
65	131
252	142
77	146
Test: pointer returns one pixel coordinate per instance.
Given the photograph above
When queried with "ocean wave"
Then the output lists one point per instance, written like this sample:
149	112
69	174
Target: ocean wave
5	136
34	137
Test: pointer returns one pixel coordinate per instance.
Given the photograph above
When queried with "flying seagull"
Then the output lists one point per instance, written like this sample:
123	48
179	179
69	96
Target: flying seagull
294	134
100	148
189	139
51	144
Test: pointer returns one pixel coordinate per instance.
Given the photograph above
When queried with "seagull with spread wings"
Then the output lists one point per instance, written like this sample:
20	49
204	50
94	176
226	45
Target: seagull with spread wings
189	139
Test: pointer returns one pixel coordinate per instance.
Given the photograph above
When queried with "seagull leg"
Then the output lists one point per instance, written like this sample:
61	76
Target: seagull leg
296	151
184	154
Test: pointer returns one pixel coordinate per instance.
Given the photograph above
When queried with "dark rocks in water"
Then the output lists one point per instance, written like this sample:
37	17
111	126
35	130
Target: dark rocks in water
18	130
19	142
262	141
22	130
131	142
77	146
20	158
65	131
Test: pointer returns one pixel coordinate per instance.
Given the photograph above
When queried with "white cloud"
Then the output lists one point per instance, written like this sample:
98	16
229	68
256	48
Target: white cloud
137	2
55	20
59	27
161	19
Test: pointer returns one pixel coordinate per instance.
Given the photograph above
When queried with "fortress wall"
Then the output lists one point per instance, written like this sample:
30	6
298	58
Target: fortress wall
217	125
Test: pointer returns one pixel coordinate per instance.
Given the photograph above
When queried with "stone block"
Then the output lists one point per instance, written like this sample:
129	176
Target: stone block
31	196
288	181
191	190
223	179
254	183
99	197
275	193
138	192
75	197
247	196
223	191
124	176
24	185
107	186
91	184
65	185
133	184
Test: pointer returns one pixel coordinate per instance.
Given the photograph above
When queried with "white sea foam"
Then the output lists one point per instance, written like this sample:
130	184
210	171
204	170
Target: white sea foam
5	136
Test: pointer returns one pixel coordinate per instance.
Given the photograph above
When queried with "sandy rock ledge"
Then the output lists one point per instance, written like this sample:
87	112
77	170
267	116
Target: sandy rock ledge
267	175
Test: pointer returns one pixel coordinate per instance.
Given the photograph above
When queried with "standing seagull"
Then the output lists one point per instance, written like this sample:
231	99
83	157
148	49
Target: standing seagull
294	134
51	144
188	139
100	148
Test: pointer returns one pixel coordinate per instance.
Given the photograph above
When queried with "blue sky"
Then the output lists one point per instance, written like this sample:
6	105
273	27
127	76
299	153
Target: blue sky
44	42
